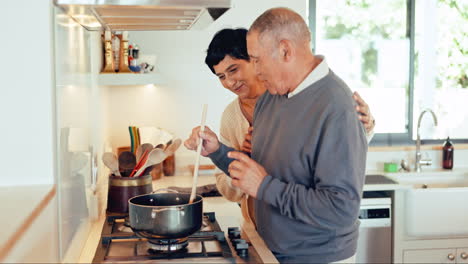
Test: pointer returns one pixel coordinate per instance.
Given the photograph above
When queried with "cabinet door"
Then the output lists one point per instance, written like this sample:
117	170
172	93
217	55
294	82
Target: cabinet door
75	131
430	256
462	255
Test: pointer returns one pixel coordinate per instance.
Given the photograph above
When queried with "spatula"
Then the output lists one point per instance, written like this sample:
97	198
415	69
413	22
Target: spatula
141	149
156	156
197	159
173	147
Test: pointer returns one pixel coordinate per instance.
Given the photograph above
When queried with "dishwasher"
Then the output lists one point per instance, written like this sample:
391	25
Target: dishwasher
375	231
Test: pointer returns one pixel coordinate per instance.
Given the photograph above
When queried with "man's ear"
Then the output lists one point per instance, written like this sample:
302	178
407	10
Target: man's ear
286	50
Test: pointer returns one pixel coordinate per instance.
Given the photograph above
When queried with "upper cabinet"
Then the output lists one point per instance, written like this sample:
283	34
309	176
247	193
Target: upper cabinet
143	14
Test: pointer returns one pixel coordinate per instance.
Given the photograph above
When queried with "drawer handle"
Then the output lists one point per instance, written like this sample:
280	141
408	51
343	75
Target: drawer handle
451	256
463	255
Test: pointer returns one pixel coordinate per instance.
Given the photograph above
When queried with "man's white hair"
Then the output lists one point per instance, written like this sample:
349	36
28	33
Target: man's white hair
282	23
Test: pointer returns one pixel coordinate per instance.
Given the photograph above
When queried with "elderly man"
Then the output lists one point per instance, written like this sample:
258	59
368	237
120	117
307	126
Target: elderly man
309	148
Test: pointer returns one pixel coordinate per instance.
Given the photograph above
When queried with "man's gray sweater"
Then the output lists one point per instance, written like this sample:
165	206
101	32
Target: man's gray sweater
313	147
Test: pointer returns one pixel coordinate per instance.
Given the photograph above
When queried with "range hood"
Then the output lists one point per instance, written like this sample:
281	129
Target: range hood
133	15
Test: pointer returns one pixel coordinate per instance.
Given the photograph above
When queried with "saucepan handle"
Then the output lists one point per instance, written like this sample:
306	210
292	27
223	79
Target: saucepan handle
165	190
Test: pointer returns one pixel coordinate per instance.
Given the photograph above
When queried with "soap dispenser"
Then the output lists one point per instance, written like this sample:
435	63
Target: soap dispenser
447	156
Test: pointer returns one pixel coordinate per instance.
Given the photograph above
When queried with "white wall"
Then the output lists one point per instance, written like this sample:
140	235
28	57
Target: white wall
26	93
176	105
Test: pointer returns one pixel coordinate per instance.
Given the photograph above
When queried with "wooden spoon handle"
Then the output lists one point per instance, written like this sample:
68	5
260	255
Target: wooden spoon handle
197	160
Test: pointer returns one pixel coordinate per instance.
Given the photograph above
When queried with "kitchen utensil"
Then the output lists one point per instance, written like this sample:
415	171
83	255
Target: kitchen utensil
161	146
111	162
121	189
141	149
140	163
165	215
132	139
197	159
127	163
167	144
155	156
171	149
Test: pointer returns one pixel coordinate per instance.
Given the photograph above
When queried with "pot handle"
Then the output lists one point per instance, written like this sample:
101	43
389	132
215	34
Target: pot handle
158	210
165	190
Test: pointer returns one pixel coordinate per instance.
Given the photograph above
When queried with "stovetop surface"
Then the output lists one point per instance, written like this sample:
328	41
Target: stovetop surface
119	244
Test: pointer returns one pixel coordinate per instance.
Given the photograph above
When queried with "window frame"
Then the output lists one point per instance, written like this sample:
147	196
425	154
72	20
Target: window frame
390	139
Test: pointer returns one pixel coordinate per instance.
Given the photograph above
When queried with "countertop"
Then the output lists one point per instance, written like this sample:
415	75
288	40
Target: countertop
21	206
227	213
18	203
377	181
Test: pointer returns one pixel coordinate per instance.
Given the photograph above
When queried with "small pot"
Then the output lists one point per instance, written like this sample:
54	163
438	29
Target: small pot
165	215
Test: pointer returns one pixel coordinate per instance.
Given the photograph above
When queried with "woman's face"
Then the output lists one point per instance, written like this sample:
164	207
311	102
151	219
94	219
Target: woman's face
236	75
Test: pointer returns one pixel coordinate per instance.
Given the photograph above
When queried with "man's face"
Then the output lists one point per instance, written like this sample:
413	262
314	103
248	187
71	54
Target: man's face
236	75
266	63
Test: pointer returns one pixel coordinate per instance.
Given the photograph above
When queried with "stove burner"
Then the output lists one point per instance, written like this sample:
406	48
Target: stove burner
207	245
166	245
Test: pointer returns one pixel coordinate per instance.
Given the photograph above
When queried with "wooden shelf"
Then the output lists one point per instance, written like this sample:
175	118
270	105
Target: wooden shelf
116	79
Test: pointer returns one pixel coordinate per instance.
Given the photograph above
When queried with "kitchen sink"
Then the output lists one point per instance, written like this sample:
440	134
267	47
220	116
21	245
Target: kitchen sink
435	203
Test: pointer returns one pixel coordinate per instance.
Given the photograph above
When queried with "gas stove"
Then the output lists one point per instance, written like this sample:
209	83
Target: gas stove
119	244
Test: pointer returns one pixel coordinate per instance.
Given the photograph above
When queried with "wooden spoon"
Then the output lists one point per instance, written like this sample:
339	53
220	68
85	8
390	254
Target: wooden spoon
110	160
141	149
173	147
156	156
127	161
197	159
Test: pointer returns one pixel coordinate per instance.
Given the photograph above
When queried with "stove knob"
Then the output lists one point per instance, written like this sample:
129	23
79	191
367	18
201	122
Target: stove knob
238	240
242	248
233	232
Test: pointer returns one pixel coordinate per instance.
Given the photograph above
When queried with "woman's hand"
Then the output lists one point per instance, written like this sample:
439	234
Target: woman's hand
364	113
210	141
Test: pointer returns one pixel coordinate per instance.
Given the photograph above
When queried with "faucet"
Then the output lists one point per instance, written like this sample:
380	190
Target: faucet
419	161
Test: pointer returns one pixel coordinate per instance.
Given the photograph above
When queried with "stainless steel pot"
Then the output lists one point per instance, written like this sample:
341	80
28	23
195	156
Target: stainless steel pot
165	215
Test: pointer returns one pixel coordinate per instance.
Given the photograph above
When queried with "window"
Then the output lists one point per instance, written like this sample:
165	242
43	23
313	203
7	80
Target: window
399	64
441	66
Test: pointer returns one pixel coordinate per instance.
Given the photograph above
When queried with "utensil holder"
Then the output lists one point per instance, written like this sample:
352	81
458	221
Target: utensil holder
121	189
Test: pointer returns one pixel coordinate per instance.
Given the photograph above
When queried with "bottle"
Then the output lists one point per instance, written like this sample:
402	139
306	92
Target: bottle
447	156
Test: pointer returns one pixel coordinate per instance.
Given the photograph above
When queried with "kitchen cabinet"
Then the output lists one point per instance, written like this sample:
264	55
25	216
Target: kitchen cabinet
462	255
446	255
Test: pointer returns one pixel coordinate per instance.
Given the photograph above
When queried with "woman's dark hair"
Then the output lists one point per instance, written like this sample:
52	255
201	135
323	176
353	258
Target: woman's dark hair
232	42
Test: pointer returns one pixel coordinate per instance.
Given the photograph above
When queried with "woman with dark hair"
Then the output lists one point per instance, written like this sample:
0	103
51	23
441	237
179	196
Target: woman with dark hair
227	58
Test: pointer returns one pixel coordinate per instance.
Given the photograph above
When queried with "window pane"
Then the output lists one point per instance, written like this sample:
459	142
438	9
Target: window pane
441	81
366	44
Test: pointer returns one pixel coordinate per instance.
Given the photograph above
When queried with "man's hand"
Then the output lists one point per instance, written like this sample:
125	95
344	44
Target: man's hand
246	173
210	141
247	144
364	113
